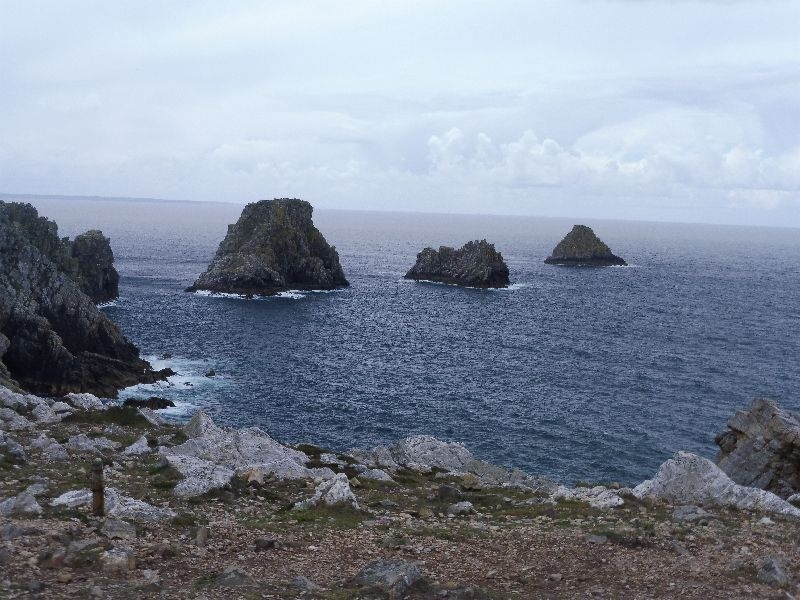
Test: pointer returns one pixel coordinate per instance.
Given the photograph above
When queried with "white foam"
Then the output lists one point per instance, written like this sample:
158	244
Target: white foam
109	304
290	294
512	287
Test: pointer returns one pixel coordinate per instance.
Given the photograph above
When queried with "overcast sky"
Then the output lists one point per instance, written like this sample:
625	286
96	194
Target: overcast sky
648	109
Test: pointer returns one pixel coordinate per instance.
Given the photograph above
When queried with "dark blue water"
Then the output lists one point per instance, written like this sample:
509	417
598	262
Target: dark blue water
596	374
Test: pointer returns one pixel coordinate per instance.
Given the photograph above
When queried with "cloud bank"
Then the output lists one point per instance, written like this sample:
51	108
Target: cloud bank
648	110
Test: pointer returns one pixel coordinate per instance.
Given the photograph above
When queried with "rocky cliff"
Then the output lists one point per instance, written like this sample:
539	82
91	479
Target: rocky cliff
53	339
475	264
582	248
273	247
93	266
761	448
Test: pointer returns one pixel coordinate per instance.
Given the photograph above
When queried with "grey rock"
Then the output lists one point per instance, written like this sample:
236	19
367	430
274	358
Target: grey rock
449	493
94	266
376	475
761	448
596	539
392	576
151	417
118	560
690	514
460	508
83	444
333	492
9	398
22	503
690	479
116	504
11	420
233	576
138	448
305	584
10	531
582	248
598	497
273	247
118	529
212	456
42	413
771	572
475	264
262	544
12	447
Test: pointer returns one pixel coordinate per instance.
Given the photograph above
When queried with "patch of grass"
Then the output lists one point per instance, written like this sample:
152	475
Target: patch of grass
338	517
124	416
184	519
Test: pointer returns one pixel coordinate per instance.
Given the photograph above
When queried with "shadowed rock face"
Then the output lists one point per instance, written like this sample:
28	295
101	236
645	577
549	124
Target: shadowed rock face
582	248
53	339
94	269
761	448
475	264
273	247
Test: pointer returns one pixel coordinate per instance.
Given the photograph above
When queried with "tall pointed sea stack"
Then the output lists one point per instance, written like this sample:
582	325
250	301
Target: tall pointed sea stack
475	264
582	248
273	247
53	339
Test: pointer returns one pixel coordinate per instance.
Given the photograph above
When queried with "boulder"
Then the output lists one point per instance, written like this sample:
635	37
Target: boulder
273	247
22	503
153	403
690	479
761	448
475	264
335	491
138	448
83	444
53	339
598	497
582	248
117	505
10	446
85	402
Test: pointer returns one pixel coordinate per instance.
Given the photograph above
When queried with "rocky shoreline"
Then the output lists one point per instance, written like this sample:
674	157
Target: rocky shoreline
203	511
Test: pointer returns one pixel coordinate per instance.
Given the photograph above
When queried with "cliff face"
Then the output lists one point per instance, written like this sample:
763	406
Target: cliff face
582	248
273	247
53	339
476	264
94	266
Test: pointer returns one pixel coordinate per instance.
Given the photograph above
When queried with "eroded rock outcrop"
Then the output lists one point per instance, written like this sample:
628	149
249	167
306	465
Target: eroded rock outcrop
582	248
761	448
273	247
53	339
475	264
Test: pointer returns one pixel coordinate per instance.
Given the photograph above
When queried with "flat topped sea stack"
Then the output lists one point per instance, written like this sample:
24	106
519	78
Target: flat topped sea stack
475	264
582	248
273	247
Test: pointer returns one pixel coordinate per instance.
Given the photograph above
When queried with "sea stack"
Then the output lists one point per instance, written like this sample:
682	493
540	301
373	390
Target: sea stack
475	264
53	339
582	248
273	247
94	266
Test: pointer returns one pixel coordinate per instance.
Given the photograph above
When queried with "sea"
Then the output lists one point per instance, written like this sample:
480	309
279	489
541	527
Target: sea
590	374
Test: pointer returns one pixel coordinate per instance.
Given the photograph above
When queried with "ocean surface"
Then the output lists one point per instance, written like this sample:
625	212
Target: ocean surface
578	374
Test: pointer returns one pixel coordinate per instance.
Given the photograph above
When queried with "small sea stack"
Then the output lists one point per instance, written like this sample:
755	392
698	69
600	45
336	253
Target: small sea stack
94	266
272	248
582	248
475	264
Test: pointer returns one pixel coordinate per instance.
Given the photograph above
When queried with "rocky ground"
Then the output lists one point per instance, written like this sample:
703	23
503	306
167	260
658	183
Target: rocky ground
407	530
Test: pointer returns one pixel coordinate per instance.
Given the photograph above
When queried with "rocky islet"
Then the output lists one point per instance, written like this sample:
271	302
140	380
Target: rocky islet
476	264
582	248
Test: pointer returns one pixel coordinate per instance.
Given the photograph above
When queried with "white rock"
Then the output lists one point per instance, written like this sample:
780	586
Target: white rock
335	491
138	448
690	479
200	475
201	425
116	505
85	401
460	508
62	409
118	560
12	400
598	497
44	414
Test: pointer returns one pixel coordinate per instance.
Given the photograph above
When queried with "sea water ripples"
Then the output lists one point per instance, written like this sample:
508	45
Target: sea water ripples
593	374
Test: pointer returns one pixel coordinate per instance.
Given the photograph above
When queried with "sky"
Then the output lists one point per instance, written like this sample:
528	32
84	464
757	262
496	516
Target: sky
677	110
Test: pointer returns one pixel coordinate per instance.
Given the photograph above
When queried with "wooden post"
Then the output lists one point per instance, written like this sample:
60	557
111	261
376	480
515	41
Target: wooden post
98	494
